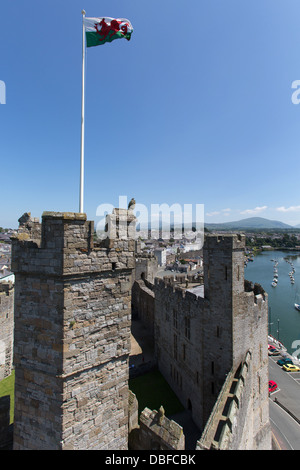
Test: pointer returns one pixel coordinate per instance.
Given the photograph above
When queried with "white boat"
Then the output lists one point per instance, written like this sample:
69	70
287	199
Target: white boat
297	307
274	284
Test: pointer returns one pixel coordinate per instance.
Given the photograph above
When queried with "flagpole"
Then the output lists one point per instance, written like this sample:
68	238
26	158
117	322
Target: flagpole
82	118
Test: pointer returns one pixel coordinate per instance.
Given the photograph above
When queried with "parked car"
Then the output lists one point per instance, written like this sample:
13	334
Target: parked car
291	368
285	360
272	386
273	351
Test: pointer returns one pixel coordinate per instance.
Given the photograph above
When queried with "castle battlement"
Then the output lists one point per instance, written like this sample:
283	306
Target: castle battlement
66	247
168	287
225	242
256	302
220	429
6	288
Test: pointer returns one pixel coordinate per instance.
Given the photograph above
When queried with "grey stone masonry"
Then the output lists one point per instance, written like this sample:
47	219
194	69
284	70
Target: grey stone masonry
157	432
6	328
72	333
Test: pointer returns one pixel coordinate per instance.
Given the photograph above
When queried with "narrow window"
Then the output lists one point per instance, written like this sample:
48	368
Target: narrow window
175	347
183	351
174	318
226	272
187	327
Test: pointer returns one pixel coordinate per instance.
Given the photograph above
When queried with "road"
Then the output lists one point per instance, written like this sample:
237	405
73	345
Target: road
286	429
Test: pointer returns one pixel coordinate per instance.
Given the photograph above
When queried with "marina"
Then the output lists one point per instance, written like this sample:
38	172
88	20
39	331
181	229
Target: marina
278	272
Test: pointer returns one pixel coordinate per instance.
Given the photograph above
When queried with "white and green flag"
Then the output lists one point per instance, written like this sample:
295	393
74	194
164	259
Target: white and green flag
101	30
97	31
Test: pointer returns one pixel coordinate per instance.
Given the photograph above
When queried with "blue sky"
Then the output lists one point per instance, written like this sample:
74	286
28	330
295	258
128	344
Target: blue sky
195	109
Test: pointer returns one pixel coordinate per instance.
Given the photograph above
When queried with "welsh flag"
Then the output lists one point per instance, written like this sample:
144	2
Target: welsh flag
101	30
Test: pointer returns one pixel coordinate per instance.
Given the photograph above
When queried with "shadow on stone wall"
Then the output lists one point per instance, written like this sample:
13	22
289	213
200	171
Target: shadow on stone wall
6	429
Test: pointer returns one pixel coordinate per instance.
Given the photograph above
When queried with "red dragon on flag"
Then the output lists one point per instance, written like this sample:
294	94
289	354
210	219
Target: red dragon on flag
102	30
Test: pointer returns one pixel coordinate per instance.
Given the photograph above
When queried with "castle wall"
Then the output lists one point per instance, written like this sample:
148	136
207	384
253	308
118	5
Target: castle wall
72	336
6	328
256	341
179	352
199	340
143	304
232	424
146	267
156	432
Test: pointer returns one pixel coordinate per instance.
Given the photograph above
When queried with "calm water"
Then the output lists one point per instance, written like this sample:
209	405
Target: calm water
282	297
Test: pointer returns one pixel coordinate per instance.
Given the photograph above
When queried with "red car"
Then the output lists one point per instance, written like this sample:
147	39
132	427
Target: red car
272	386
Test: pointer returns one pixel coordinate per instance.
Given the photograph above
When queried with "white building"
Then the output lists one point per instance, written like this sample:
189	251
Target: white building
192	247
6	275
161	256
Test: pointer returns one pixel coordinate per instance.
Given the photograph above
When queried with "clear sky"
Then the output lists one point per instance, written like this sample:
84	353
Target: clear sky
195	109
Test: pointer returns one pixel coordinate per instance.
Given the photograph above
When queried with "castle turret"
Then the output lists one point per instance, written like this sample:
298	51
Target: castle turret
235	321
72	334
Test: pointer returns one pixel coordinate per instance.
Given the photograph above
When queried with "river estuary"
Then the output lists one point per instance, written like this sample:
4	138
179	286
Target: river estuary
284	319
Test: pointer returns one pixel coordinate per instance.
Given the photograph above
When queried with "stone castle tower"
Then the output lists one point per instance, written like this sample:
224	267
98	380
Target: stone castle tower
72	342
237	321
223	259
203	338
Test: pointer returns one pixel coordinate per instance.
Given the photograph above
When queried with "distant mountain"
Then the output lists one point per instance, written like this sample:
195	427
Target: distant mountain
250	223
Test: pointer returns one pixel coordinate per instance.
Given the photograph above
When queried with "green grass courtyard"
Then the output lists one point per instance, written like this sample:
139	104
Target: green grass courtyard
152	391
